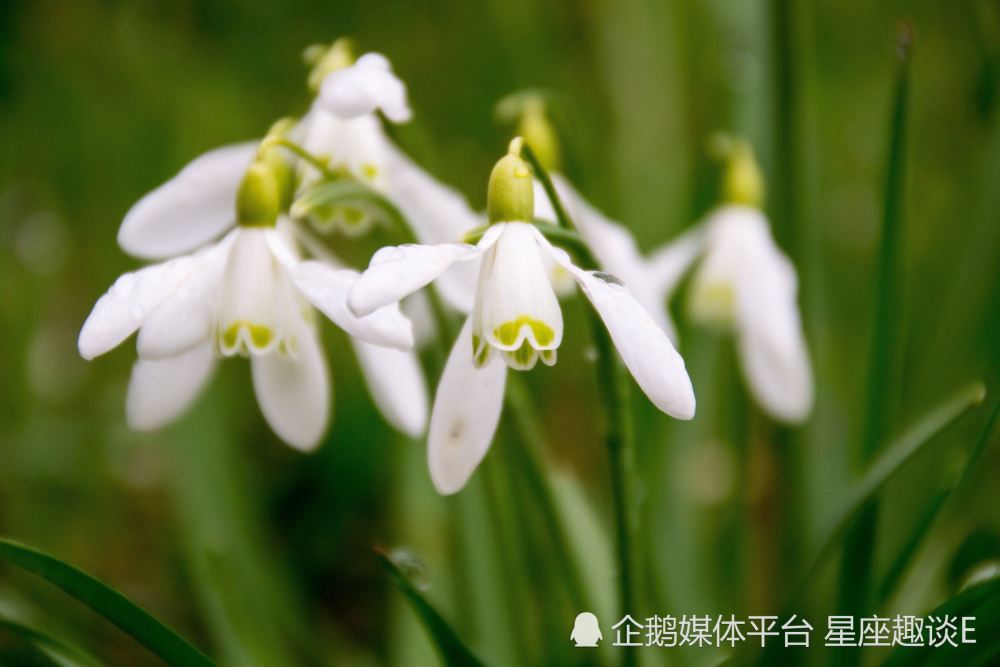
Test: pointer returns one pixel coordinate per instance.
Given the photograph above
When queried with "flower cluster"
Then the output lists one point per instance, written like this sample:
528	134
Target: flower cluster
242	240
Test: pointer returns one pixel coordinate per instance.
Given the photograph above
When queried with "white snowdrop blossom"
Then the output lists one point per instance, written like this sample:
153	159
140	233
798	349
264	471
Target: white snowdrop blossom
250	294
515	321
744	283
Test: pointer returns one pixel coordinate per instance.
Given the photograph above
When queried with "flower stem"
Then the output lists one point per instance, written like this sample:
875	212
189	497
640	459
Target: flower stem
613	391
543	176
314	161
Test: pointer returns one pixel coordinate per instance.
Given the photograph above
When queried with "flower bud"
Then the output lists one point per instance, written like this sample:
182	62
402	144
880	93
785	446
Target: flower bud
536	129
511	193
277	161
743	182
325	59
258	200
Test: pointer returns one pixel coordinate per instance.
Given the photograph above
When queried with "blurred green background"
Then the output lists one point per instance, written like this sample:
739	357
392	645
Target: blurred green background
263	556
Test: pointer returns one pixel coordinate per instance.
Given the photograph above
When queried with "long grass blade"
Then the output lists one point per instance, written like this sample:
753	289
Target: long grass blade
453	650
109	603
939	502
55	650
854	594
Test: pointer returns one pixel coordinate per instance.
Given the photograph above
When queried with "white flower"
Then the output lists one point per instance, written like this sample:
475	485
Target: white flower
745	283
248	294
650	280
515	321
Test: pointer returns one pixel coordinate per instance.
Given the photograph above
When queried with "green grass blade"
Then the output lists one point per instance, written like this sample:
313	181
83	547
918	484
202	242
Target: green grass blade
980	601
854	594
453	650
57	651
107	602
941	499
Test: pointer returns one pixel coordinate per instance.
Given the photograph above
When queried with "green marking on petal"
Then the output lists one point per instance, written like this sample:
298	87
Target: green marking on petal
508	332
523	358
548	357
260	335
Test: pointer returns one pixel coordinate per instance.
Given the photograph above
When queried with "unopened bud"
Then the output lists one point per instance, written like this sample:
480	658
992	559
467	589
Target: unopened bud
743	181
258	199
536	129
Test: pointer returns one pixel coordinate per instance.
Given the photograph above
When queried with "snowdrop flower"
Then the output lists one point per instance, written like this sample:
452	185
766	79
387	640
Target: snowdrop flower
745	284
515	321
248	294
343	126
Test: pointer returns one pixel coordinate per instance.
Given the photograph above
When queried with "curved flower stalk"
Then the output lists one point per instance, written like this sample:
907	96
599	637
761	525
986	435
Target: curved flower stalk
249	294
613	246
515	321
745	284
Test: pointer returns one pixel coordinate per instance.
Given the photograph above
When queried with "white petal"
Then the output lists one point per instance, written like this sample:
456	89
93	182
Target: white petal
294	392
667	265
644	347
397	271
161	390
189	210
515	301
186	317
126	305
616	251
327	289
396	384
357	144
772	345
465	415
365	86
252	314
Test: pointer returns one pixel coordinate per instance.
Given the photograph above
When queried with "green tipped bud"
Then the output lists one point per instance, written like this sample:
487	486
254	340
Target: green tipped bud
511	193
536	129
325	59
258	199
743	181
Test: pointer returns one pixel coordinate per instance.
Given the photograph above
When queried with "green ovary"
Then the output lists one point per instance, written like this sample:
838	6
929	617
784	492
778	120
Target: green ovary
508	332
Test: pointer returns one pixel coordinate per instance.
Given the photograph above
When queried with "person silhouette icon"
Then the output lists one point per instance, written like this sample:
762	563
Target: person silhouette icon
586	630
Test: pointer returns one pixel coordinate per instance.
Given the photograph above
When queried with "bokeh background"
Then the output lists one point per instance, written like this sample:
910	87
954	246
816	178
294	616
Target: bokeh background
263	556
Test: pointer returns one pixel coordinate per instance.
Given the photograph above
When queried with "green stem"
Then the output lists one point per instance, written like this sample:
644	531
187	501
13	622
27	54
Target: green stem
613	392
543	176
528	444
855	590
320	165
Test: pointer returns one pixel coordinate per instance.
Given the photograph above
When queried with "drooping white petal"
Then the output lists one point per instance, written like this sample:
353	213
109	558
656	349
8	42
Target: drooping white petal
668	264
365	86
396	384
357	144
515	302
465	415
396	271
161	390
644	347
127	304
327	289
772	346
293	391
186	317
189	210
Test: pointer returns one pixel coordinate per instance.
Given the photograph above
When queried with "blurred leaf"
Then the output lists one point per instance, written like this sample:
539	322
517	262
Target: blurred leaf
107	602
898	567
60	653
855	585
899	452
453	651
980	601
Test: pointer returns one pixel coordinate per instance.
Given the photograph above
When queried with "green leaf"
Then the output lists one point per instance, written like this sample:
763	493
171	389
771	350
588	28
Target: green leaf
453	650
898	453
107	602
57	651
980	601
940	500
855	594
